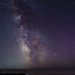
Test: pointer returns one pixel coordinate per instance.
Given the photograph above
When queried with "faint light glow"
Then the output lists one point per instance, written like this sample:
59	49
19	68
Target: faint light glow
16	18
25	49
25	35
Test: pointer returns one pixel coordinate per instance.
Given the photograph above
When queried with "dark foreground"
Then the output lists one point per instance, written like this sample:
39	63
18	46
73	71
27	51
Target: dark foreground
65	71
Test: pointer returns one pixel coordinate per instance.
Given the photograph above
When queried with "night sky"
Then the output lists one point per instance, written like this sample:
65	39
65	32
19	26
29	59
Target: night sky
37	34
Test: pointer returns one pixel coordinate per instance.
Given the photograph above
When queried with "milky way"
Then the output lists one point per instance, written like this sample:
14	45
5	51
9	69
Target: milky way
31	44
37	34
